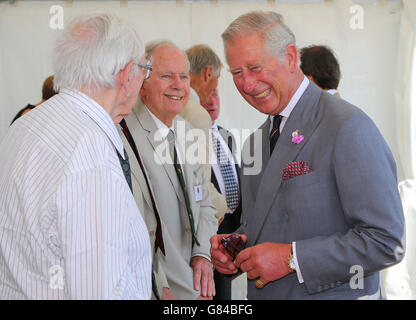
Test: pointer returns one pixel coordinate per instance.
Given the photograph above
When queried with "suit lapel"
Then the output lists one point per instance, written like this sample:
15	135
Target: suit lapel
136	171
260	151
139	176
186	143
305	117
154	138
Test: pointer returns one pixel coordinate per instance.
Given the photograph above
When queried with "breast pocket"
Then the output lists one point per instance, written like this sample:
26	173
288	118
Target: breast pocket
302	181
309	205
301	195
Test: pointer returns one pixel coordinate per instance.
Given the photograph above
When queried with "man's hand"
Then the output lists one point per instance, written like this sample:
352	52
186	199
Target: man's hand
203	276
167	294
267	261
221	259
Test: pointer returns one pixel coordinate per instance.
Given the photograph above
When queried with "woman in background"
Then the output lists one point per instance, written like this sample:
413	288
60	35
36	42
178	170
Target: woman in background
47	92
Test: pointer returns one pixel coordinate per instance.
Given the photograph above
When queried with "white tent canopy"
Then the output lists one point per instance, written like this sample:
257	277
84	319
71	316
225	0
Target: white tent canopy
374	41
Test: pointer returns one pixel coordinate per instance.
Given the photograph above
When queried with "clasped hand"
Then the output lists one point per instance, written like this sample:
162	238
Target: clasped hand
267	261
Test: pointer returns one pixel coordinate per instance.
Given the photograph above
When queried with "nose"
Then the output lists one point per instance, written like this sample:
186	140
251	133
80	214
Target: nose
249	82
177	82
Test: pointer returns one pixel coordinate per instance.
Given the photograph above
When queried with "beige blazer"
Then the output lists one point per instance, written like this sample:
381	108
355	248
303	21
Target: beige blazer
144	203
199	118
171	203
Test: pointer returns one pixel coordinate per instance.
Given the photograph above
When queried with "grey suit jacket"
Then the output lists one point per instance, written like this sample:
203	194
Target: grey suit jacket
345	213
171	203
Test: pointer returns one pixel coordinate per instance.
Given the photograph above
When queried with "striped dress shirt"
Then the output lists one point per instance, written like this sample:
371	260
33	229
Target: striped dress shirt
69	225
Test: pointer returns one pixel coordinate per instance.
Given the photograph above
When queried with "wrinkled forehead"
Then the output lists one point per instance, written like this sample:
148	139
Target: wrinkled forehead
170	58
245	50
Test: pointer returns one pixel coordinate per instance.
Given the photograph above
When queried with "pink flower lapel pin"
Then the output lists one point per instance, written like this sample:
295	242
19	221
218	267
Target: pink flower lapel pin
296	137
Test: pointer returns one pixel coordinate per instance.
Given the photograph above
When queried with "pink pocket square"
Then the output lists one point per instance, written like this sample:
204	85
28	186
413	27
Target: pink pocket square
294	169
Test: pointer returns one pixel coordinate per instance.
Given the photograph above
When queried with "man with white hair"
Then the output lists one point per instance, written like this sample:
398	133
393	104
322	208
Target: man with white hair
324	210
180	188
70	228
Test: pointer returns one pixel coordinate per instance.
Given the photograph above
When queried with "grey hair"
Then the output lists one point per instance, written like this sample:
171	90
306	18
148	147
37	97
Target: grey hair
201	56
93	49
152	46
271	27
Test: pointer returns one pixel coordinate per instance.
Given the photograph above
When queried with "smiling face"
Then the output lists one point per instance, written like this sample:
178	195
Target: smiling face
265	82
166	92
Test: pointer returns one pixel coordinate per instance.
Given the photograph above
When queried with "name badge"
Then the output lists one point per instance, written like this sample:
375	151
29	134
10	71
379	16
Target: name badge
198	193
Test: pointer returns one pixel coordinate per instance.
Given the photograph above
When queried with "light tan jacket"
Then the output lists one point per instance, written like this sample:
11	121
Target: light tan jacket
199	118
170	201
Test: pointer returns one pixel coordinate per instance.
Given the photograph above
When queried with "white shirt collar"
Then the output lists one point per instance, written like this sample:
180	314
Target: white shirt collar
162	128
332	91
293	101
97	113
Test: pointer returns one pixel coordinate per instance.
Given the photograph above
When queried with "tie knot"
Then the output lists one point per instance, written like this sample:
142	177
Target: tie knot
123	124
276	121
171	136
276	126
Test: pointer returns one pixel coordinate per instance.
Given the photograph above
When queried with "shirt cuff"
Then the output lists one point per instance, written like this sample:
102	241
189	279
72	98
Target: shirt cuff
295	259
202	255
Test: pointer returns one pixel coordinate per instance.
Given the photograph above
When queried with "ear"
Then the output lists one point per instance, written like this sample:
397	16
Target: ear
125	78
143	90
292	57
207	73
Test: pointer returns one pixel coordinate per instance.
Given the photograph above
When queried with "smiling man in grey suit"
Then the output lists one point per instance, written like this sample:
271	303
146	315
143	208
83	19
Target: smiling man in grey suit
178	182
322	215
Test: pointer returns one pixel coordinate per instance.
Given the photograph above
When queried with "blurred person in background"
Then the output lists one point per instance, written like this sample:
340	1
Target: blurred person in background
48	91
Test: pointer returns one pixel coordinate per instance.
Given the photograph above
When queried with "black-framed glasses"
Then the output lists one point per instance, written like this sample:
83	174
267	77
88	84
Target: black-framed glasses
148	67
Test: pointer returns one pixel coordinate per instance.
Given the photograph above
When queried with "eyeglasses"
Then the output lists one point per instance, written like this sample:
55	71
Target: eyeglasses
148	67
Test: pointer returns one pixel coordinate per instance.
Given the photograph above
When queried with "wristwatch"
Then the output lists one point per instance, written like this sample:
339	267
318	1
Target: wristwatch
291	263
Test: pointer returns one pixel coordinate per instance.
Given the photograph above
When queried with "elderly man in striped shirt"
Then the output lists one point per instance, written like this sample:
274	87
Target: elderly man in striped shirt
69	226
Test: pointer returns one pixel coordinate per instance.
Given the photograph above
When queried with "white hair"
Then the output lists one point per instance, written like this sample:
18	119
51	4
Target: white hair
153	45
271	27
93	49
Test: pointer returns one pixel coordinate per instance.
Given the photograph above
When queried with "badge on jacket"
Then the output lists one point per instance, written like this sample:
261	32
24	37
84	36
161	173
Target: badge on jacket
198	193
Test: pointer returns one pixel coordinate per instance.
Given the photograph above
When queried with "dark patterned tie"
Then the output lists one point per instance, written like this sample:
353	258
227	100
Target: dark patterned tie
159	236
274	135
230	181
178	169
125	165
